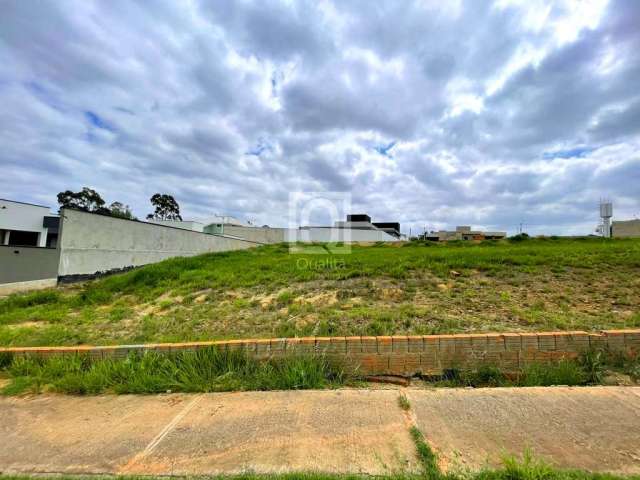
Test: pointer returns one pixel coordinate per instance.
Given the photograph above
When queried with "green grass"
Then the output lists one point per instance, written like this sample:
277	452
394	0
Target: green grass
587	370
206	370
403	402
552	284
213	370
530	468
513	469
426	456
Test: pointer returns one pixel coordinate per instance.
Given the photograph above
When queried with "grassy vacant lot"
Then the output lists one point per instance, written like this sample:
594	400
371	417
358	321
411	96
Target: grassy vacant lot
542	284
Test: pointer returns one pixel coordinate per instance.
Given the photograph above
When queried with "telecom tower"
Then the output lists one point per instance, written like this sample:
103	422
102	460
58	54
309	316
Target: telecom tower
606	212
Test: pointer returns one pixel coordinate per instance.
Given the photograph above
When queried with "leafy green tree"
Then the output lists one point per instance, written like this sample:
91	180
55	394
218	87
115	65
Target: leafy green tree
166	208
118	209
87	200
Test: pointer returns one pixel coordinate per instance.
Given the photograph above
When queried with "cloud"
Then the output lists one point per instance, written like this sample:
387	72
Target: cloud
490	113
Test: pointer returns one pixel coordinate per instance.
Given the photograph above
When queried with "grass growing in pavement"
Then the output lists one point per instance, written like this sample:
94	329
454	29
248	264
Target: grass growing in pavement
513	469
527	468
428	459
206	370
417	288
403	402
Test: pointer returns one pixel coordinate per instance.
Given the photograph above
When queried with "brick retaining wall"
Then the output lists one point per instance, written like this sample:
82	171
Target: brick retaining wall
395	355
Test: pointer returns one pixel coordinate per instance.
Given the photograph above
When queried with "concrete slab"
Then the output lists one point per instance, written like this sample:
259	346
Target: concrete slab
343	431
591	428
70	434
331	431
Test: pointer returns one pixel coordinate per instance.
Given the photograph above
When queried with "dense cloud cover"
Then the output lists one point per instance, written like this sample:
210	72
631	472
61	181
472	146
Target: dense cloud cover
429	113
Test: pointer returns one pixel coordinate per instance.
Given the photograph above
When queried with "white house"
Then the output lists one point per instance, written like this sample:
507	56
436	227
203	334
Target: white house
27	224
357	228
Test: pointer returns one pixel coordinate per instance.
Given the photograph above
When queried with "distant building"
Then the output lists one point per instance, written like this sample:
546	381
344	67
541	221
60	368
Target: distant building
362	221
357	228
626	228
27	224
462	233
183	224
216	224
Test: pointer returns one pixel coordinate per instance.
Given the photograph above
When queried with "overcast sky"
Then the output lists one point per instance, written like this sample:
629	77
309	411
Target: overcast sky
431	113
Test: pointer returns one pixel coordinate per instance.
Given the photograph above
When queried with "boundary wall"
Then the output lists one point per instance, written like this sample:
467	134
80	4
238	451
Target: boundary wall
395	355
307	234
27	268
90	244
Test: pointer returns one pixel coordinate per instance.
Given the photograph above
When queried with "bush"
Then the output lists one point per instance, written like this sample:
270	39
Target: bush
5	360
592	362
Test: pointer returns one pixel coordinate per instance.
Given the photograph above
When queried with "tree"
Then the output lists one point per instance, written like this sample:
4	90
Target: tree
118	209
166	208
87	199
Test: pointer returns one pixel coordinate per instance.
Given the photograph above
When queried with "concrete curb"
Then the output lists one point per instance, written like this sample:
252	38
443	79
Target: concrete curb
392	355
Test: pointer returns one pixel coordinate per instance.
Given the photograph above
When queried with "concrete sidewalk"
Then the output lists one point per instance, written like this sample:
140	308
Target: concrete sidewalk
354	431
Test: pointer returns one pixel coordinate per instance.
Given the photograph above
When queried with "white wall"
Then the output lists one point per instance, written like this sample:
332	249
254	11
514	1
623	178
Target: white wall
308	234
257	234
628	228
185	225
91	243
318	234
25	217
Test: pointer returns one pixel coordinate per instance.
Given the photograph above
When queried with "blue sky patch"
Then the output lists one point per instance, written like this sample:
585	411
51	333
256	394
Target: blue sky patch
261	147
385	148
96	121
578	152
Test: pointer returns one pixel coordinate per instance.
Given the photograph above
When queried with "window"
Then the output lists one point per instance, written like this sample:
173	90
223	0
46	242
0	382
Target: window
19	238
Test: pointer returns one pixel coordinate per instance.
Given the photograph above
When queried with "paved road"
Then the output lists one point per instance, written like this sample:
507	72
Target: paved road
356	431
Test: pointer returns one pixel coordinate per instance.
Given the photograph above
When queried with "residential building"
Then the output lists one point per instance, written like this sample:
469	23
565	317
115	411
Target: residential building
392	228
27	224
462	233
357	228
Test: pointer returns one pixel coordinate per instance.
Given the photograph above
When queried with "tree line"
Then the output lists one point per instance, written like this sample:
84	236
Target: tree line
88	200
